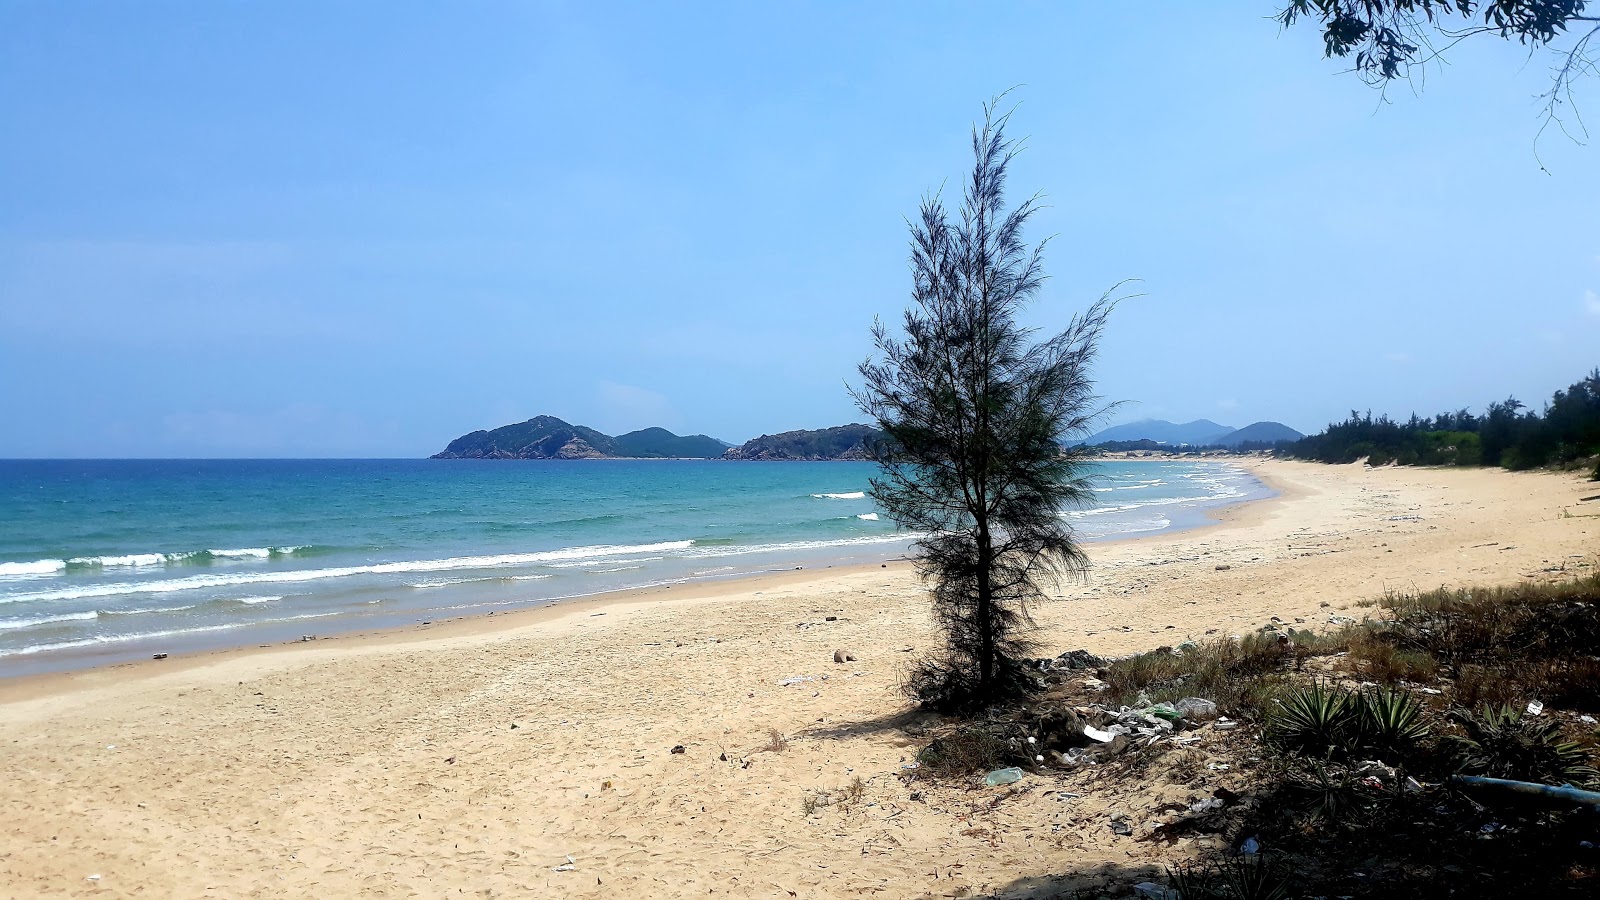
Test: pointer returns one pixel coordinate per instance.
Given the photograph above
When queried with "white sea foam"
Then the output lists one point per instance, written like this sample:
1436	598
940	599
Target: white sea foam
852	495
243	553
131	560
37	567
287	577
13	624
147	635
869	517
254	600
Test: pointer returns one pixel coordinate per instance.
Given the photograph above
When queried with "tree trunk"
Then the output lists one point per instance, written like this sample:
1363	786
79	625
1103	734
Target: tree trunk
985	620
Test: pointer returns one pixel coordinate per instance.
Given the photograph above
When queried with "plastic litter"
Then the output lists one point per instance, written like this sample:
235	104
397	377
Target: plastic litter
1250	847
1587	720
571	865
1003	776
1225	725
1196	709
1095	734
1535	708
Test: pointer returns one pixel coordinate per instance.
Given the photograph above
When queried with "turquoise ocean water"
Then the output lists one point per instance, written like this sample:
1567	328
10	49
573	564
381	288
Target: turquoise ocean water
109	560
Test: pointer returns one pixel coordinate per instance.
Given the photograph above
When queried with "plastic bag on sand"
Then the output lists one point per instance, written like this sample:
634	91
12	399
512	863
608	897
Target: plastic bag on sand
1196	709
1003	776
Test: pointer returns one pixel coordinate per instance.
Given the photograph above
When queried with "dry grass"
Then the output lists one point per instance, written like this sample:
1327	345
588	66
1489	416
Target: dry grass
776	742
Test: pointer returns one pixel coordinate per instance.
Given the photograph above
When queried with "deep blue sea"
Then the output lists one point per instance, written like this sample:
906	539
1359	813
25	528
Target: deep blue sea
109	560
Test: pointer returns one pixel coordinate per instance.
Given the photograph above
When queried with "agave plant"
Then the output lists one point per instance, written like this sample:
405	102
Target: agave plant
1327	797
1390	722
1500	743
1317	720
1241	878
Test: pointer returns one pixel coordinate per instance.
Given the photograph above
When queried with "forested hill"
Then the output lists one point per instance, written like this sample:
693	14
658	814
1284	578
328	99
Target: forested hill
1566	432
547	437
840	442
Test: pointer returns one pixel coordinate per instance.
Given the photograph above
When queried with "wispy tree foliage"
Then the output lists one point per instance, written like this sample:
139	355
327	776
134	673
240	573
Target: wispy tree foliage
1386	38
973	411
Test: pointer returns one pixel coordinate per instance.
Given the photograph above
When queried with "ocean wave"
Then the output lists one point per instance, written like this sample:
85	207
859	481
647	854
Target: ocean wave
98	640
868	517
37	567
252	601
13	624
131	560
288	577
851	495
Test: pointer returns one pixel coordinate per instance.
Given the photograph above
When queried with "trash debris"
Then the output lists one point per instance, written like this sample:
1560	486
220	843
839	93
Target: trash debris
840	656
92	878
1587	720
1218	767
1535	708
1224	724
678	749
1003	776
571	865
1095	734
1250	847
1118	826
1196	709
1206	805
159	656
1412	785
798	679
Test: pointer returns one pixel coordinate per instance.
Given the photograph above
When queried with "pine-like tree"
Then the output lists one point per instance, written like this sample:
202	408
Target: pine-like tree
974	412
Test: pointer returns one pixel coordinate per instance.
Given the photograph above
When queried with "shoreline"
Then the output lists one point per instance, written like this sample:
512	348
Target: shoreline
635	734
18	688
1200	516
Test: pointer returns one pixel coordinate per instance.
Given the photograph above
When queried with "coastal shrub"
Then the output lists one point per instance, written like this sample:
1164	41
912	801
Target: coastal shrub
974	414
1237	878
1500	742
964	752
1318	719
1391	724
1241	677
1379	660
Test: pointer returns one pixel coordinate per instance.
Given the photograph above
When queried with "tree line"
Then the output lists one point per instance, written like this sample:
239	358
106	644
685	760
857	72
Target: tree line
1508	434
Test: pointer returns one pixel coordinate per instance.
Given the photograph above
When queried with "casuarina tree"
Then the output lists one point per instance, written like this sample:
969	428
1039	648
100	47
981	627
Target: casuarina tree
974	408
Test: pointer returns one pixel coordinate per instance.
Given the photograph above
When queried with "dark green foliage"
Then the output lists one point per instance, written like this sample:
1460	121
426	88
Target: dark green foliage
658	443
1323	721
964	752
1387	37
1501	743
541	437
1328	798
972	411
1315	720
1391	723
1238	878
839	442
1567	431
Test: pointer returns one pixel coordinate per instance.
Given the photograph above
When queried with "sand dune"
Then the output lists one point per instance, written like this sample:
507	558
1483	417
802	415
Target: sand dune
472	758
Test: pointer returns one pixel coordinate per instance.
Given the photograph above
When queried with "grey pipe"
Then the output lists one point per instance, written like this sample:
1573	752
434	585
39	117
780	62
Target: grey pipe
1544	793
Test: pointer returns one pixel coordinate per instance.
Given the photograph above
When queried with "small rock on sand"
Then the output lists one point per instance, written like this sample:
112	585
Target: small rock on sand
840	656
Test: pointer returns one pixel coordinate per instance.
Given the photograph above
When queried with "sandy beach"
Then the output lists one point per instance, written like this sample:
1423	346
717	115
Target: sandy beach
473	758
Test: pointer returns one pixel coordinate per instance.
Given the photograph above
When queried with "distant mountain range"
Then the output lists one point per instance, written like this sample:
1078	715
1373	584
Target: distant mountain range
1200	432
547	437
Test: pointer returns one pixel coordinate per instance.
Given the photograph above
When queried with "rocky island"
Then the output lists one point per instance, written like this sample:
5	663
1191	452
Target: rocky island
547	437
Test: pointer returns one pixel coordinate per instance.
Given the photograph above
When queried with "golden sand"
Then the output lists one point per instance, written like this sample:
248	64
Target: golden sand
472	758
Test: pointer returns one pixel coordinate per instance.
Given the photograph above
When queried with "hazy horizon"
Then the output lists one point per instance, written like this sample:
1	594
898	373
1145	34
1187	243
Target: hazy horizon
229	234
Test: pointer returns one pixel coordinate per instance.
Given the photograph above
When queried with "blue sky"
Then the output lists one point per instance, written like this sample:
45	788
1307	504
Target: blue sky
361	229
